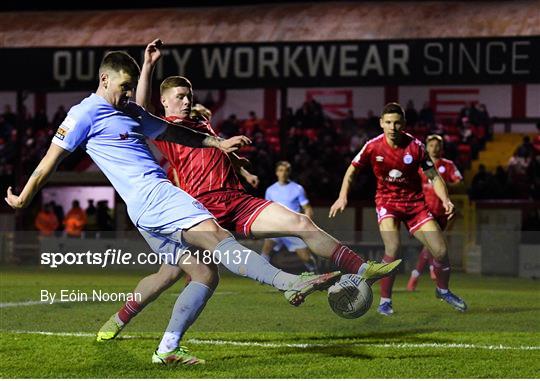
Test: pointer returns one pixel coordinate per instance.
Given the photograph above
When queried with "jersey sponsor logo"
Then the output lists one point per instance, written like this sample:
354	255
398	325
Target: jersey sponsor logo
395	173
407	159
442	169
60	133
394	176
379	158
68	124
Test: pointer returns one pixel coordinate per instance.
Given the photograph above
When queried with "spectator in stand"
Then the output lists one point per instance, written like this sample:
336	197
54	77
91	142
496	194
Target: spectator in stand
480	184
251	125
104	218
46	221
58	211
349	125
526	149
9	116
519	173
91	217
40	120
411	115
372	125
304	116
426	115
75	220
501	188
290	120
230	127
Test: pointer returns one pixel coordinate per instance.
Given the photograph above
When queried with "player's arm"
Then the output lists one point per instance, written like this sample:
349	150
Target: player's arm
177	133
439	186
152	54
346	185
39	177
308	210
239	165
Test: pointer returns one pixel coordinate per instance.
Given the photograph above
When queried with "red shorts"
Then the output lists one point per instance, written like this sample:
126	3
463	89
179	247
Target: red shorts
413	215
234	210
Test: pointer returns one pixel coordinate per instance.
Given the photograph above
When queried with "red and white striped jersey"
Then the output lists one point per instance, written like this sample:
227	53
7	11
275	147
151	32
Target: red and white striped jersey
396	169
199	170
450	174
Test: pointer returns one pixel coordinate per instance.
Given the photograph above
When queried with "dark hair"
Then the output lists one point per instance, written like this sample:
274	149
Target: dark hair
174	81
120	61
393	108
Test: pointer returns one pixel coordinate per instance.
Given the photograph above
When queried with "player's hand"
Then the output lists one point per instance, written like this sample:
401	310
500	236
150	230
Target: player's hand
152	54
14	201
252	180
338	206
234	143
449	209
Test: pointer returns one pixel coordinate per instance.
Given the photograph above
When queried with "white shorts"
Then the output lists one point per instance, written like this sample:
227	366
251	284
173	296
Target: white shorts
291	243
162	226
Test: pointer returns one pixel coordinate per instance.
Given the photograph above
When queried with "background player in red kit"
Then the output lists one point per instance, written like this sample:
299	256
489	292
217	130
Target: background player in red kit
210	178
396	158
452	177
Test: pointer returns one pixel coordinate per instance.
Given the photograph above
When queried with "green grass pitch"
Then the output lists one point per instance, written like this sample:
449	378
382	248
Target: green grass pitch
249	331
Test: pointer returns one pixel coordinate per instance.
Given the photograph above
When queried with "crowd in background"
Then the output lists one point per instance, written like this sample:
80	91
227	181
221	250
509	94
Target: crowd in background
319	148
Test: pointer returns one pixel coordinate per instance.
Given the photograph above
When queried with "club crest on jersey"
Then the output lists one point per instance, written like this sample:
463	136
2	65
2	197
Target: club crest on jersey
407	159
382	212
198	205
442	169
379	158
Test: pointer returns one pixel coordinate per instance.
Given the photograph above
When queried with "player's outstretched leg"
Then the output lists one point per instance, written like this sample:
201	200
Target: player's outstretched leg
276	220
149	288
423	260
389	229
431	236
243	261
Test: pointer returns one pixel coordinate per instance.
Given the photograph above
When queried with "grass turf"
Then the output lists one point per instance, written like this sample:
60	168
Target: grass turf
249	331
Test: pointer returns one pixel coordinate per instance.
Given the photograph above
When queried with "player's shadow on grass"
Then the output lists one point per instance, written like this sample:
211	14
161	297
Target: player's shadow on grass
351	352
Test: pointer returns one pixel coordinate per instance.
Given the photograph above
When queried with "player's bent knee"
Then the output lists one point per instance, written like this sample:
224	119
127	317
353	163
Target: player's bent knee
205	274
168	275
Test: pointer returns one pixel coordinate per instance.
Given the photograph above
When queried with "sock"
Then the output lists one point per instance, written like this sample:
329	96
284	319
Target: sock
245	262
187	308
128	311
423	260
442	272
346	259
415	273
387	283
384	300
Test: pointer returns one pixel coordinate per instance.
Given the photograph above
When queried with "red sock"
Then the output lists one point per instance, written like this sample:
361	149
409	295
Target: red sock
129	311
387	283
346	259
423	260
442	271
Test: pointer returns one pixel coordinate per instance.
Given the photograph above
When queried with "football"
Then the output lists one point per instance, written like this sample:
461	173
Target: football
351	297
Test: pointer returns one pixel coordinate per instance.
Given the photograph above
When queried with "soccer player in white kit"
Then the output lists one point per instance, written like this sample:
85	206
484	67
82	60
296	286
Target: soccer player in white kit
112	130
293	196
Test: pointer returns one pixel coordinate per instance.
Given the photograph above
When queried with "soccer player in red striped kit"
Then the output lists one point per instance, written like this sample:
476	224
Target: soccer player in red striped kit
452	177
396	158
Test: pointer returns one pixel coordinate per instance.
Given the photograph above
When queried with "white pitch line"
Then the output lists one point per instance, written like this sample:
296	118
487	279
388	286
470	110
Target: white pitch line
22	304
304	345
